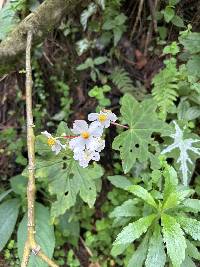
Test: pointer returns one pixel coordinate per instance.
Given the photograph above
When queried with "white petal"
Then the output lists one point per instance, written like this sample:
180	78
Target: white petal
60	144
83	163
95	129
112	117
77	143
106	123
48	135
56	148
79	126
93	116
95	156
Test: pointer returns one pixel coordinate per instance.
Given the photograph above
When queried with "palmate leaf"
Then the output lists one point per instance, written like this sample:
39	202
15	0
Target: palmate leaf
174	239
143	122
187	152
156	252
134	230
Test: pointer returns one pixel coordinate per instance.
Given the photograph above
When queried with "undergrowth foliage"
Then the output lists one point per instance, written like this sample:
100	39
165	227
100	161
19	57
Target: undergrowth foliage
150	216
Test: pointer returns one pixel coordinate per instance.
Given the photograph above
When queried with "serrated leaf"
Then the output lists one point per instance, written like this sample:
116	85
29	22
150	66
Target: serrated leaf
156	252
168	13
191	42
44	235
119	181
134	230
171	181
87	13
118	249
174	239
8	216
192	251
193	205
185	146
140	254
73	181
188	262
190	226
142	193
142	120
127	209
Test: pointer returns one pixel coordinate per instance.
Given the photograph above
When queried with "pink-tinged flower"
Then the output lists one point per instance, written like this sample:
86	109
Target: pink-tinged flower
85	156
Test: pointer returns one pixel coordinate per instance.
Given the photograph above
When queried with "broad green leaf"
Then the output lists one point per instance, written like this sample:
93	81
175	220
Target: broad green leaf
127	209
100	60
185	147
174	239
191	42
134	230
156	252
143	122
19	184
192	251
44	235
175	198
120	181
72	181
188	262
4	194
193	205
142	193
169	13
178	21
8	216
193	66
190	226
140	254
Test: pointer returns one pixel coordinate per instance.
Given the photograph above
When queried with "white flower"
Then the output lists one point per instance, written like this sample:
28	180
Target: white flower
54	143
104	118
86	135
84	157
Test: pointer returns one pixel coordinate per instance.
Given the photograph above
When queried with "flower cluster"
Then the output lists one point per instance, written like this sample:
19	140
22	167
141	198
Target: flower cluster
87	141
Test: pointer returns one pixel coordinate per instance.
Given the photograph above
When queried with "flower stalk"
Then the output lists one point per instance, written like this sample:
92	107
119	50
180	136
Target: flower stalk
31	246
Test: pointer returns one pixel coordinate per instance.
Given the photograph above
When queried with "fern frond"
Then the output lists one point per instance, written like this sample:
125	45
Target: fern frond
122	80
165	87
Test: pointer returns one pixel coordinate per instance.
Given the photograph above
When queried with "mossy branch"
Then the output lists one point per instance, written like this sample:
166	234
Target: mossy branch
31	246
40	22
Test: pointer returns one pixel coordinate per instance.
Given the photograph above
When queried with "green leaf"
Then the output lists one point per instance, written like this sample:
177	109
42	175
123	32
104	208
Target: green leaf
100	60
156	252
118	249
191	42
171	181
134	230
127	209
142	193
193	205
142	120
4	194
190	226
192	251
188	262
19	184
168	14
44	235
187	151
171	49
8	216
193	66
174	239
178	21
119	181
140	254
72	181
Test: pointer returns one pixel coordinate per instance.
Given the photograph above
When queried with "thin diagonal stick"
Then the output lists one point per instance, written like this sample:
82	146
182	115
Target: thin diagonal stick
31	245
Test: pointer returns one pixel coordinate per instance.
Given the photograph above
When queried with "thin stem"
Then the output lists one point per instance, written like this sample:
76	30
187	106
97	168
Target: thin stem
119	125
31	245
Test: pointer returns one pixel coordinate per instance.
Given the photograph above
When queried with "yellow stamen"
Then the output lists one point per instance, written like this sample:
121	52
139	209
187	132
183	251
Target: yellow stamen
51	141
102	117
85	135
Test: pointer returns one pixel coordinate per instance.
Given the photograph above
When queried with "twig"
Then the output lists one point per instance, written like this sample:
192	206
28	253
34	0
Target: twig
152	7
31	245
137	18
